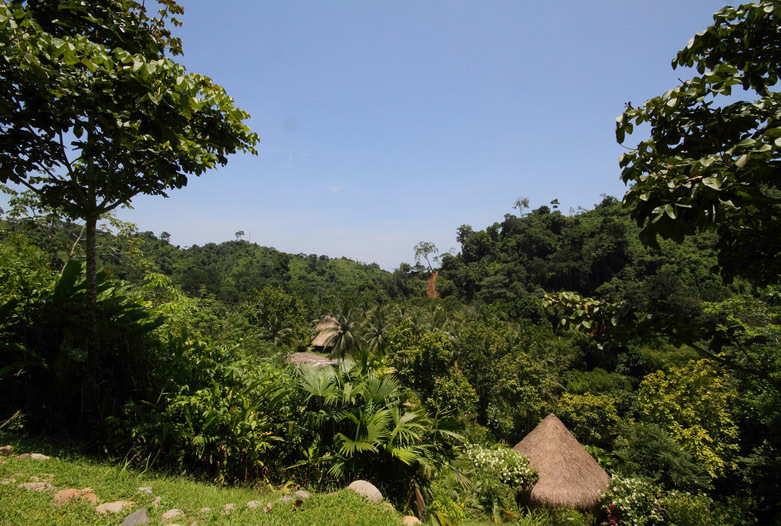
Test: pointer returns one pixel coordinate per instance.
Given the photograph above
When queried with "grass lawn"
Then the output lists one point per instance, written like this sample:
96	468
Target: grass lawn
110	483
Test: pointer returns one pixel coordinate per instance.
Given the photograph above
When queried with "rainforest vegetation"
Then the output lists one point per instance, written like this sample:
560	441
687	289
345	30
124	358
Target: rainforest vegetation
649	325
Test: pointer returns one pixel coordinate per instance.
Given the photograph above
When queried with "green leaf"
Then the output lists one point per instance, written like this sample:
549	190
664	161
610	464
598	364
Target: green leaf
712	182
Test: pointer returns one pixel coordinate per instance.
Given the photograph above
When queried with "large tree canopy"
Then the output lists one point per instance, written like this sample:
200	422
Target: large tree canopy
93	112
712	158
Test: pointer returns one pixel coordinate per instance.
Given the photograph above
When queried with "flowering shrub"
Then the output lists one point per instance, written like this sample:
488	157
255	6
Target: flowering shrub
506	465
632	502
499	475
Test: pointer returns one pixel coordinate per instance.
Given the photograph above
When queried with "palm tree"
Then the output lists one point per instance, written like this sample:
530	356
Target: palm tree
378	322
346	333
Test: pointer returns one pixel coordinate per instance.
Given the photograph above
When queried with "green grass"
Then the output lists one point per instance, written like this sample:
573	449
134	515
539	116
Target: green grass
110	483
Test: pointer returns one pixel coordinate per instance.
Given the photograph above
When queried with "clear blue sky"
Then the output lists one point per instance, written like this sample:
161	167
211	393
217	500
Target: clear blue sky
383	124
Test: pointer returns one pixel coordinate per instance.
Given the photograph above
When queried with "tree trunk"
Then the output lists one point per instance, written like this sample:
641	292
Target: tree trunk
92	267
89	389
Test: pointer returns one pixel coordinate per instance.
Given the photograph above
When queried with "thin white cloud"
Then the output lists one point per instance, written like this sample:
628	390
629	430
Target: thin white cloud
334	187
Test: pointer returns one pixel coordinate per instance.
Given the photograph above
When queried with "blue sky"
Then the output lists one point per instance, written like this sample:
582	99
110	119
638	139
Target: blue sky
383	124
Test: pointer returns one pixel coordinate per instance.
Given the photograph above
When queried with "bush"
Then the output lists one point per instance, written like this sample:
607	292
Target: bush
686	509
500	475
227	420
647	450
632	502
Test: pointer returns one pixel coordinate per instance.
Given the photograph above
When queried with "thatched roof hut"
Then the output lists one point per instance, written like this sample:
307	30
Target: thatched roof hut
569	476
326	330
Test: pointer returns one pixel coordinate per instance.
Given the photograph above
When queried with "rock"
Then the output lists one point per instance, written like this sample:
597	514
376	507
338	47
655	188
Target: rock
89	497
37	486
7	481
286	498
38	456
137	518
302	494
390	506
5	451
145	490
205	509
156	502
172	514
409	520
366	489
114	507
268	508
254	504
22	456
65	495
228	508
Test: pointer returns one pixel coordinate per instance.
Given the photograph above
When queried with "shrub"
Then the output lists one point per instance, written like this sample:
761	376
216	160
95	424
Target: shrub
226	418
647	450
499	475
632	502
686	509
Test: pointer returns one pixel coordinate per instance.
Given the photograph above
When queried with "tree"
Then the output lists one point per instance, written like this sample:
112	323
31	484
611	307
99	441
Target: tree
522	203
712	158
423	250
93	112
694	404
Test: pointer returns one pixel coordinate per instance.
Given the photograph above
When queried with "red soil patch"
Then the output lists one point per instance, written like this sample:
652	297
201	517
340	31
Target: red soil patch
431	288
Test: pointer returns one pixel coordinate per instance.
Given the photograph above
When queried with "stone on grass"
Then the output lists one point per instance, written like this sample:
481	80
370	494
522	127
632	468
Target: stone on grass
228	508
5	451
409	520
172	514
367	490
37	486
39	456
145	490
389	506
65	495
302	494
137	518
7	481
157	500
89	496
114	507
205	509
254	504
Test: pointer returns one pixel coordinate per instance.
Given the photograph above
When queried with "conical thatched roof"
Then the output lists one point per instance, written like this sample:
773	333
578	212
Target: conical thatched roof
569	476
326	330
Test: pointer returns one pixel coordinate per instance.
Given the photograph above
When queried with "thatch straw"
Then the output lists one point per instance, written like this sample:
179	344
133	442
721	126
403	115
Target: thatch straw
326	330
569	476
